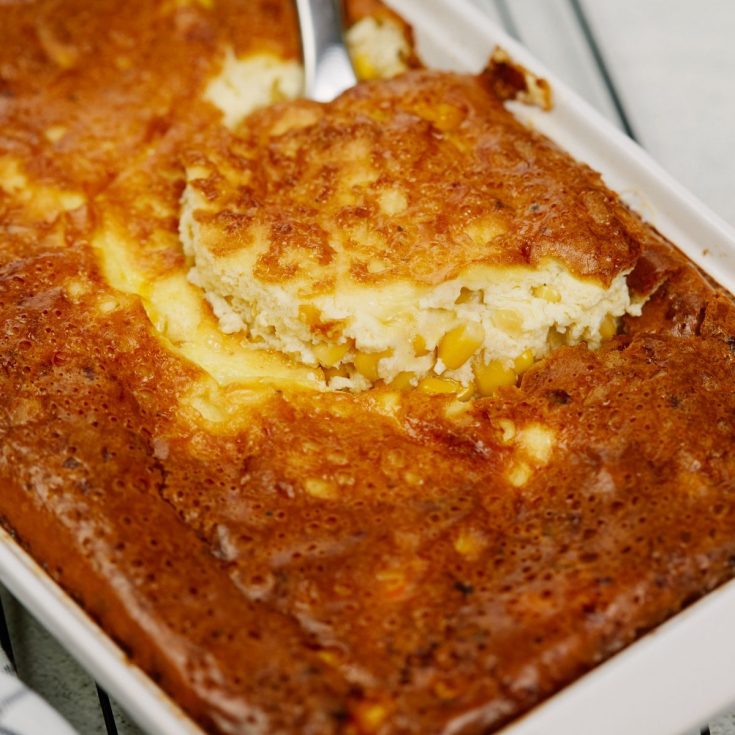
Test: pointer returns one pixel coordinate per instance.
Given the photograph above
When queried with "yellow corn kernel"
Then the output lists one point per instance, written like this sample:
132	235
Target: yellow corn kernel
449	117
508	319
366	363
444	116
537	441
523	361
363	67
369	716
445	691
548	293
329	355
419	346
433	385
608	327
309	314
467	296
331	658
460	343
402	381
519	474
492	376
322	489
470	543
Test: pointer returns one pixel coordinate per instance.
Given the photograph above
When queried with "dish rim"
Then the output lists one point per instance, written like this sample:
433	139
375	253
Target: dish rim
613	697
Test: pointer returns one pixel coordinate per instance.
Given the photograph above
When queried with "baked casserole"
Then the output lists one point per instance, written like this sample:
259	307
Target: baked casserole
379	416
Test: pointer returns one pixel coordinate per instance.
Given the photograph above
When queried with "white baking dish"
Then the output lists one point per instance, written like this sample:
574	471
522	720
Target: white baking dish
665	684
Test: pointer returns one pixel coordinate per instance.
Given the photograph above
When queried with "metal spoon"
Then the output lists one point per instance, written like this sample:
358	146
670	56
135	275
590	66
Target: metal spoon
327	67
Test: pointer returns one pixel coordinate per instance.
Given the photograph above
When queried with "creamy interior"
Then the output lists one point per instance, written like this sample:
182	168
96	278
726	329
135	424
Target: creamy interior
233	92
378	47
476	331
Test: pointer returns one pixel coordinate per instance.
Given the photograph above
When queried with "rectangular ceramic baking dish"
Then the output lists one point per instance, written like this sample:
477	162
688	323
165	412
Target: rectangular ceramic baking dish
665	684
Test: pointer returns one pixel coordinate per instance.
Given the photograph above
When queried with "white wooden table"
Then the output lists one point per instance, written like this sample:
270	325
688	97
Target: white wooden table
662	70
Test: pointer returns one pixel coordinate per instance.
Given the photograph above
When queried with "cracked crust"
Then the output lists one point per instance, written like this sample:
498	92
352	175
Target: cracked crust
414	179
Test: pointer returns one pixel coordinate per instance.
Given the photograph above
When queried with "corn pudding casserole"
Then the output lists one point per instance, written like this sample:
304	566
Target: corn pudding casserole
375	240
375	417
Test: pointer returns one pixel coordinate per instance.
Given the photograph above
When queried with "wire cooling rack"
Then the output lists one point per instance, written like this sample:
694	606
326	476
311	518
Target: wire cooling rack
572	47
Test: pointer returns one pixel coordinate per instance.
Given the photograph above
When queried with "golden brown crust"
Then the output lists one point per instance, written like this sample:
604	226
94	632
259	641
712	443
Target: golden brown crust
418	579
114	82
568	562
478	187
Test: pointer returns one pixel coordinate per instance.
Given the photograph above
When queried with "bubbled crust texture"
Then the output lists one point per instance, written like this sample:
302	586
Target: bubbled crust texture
474	185
261	608
118	78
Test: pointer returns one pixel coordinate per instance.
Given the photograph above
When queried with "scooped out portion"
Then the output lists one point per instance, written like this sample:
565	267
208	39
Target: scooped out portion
411	232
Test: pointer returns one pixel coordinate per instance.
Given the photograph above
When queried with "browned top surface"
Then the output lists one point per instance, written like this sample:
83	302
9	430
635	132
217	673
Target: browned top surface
117	78
478	188
204	556
251	601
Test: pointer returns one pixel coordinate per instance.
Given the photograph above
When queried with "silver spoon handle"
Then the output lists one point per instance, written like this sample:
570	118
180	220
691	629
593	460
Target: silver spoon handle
327	67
